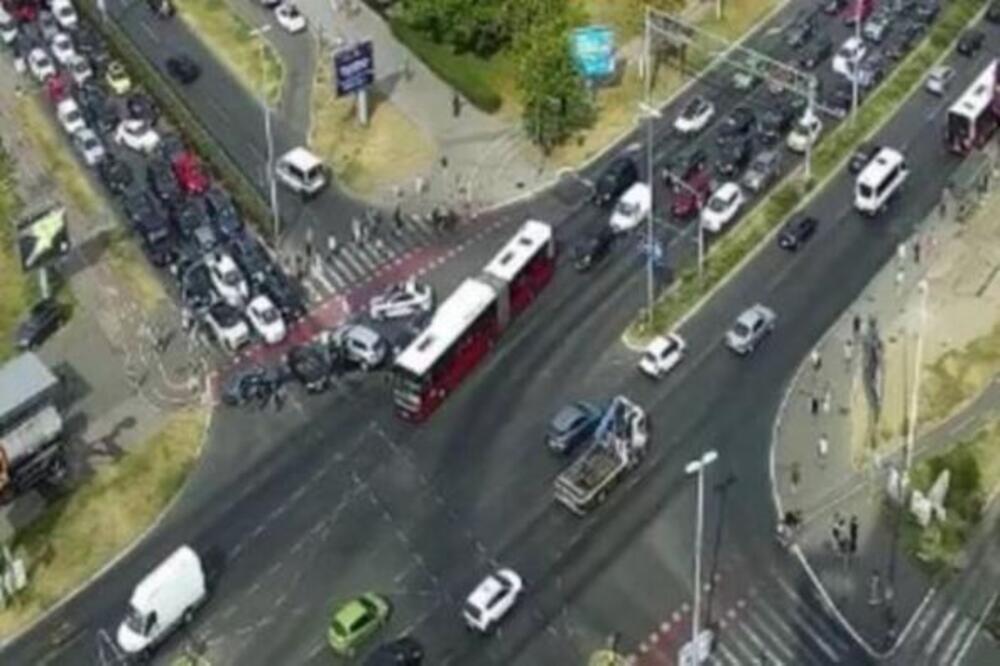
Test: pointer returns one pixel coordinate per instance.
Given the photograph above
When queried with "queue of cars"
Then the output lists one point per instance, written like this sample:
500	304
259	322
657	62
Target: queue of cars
186	224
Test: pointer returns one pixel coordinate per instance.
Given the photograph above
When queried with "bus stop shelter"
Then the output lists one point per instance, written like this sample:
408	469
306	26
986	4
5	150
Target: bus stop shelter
970	183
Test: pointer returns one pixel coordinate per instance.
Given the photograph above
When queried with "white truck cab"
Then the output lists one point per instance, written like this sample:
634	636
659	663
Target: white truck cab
301	171
163	600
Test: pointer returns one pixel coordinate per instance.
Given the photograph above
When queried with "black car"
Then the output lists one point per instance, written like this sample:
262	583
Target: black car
797	232
160	248
776	121
171	146
250	256
115	174
817	52
993	13
223	212
841	98
926	11
285	295
183	69
195	284
311	366
139	206
405	651
684	166
872	70
162	183
250	384
862	156
619	175
737	123
97	108
191	215
800	30
970	43
833	7
735	156
572	425
593	249
903	39
142	107
43	319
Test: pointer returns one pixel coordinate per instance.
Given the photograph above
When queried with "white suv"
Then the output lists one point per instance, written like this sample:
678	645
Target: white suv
492	599
849	56
227	326
227	279
301	171
70	117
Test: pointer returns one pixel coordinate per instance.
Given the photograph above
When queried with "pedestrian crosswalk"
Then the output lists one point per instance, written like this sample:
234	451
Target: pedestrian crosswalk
331	273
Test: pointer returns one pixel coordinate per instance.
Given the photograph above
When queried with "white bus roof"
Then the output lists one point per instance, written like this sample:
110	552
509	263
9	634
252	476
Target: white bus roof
170	571
885	160
451	320
979	95
519	250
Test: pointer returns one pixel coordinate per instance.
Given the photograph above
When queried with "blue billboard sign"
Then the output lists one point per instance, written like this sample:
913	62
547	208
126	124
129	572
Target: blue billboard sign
354	68
593	50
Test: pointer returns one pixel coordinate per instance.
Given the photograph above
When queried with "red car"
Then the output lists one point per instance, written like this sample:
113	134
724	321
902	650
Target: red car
189	173
689	198
858	10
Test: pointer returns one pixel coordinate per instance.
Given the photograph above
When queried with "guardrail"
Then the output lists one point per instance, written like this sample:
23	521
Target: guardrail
247	197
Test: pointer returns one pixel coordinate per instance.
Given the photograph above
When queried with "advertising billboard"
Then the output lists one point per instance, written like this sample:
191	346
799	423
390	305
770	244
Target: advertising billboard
354	68
593	50
43	239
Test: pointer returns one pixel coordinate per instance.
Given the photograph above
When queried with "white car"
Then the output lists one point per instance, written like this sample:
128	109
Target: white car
227	326
62	48
41	65
695	116
89	146
632	208
403	299
722	207
136	134
266	320
662	355
289	17
69	116
79	69
939	80
65	14
848	56
805	133
360	344
227	279
492	599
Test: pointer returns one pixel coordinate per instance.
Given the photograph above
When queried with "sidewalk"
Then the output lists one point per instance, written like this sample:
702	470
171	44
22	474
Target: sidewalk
842	425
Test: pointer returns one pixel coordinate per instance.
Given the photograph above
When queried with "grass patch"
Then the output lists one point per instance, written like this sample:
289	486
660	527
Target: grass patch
132	271
16	291
486	83
57	155
737	17
960	374
833	148
974	467
391	149
251	58
81	532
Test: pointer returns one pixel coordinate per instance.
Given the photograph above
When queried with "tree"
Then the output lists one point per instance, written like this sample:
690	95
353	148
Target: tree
476	26
556	101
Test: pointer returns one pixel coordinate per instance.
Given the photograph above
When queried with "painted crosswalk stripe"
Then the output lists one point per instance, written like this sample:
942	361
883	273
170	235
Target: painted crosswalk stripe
931	647
773	639
820	621
759	644
751	655
729	656
357	267
317	274
314	294
333	275
956	640
791	634
342	267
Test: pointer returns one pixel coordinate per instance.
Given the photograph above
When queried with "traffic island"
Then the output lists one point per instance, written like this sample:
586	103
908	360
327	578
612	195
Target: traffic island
84	531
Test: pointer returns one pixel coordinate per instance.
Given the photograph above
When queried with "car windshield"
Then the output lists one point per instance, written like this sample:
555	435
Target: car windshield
338	628
718	204
472	610
230	278
267	315
626	208
693	108
741	330
135	620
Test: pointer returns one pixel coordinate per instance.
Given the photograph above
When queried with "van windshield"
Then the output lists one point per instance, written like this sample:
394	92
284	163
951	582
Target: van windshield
135	620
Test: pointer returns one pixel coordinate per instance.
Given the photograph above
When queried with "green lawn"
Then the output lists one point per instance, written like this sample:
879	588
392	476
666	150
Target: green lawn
16	292
81	532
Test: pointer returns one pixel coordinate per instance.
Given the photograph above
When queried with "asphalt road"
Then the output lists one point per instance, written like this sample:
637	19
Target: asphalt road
352	499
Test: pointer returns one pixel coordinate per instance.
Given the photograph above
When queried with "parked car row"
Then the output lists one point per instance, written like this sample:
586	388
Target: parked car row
185	223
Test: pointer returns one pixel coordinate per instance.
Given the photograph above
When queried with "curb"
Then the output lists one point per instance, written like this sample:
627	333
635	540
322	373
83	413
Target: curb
120	555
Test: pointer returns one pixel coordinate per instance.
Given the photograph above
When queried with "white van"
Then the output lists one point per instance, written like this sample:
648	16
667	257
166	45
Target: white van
301	172
164	599
881	178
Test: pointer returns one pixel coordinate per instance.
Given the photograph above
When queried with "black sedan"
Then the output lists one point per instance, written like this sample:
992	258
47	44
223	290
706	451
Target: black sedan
970	43
735	156
224	215
183	69
115	174
737	123
817	52
141	106
776	121
311	366
593	249
43	319
163	183
797	232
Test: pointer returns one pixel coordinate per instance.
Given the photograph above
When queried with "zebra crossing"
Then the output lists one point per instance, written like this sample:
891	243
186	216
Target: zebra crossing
946	628
353	263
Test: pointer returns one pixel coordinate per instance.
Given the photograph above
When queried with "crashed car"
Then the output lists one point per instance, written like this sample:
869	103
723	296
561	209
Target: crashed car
404	299
311	366
252	384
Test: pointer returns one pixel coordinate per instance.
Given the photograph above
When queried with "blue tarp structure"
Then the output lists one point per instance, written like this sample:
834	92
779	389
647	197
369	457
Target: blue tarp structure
593	50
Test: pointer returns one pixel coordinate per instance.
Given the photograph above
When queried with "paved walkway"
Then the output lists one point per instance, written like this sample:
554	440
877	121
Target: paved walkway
842	401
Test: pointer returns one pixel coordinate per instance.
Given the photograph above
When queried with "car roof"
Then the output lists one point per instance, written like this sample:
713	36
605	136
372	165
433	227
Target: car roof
301	159
362	334
727	190
350	612
660	344
485	591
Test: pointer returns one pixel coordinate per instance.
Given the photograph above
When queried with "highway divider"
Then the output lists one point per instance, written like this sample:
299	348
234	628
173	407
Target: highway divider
248	198
724	257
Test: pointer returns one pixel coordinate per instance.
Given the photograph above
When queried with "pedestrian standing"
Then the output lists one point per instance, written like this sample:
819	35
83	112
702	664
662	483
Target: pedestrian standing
853	538
356	230
397	219
813	405
407	68
796	476
901	253
916	251
822	449
279	397
456	104
331	247
816	359
848	352
309	242
827	399
900	275
856	325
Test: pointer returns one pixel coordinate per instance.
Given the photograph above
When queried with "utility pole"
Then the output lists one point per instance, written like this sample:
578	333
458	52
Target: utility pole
650	114
811	115
911	428
698	467
856	64
258	34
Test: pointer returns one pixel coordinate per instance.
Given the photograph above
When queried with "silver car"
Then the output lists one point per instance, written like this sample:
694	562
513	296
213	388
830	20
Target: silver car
762	170
939	80
750	328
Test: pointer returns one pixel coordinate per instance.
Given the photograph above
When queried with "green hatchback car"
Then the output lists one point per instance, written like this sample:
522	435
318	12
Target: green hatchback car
356	621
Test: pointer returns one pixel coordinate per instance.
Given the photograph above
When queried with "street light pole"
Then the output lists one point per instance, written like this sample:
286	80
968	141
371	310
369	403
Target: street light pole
698	467
915	393
811	114
258	33
650	113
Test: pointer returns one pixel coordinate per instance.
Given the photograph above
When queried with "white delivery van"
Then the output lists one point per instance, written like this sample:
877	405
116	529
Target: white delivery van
301	171
164	599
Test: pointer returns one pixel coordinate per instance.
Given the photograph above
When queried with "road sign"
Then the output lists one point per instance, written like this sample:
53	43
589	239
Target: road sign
687	657
43	239
593	51
354	68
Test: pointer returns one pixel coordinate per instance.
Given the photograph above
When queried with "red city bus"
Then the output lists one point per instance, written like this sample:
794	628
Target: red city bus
467	324
974	117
